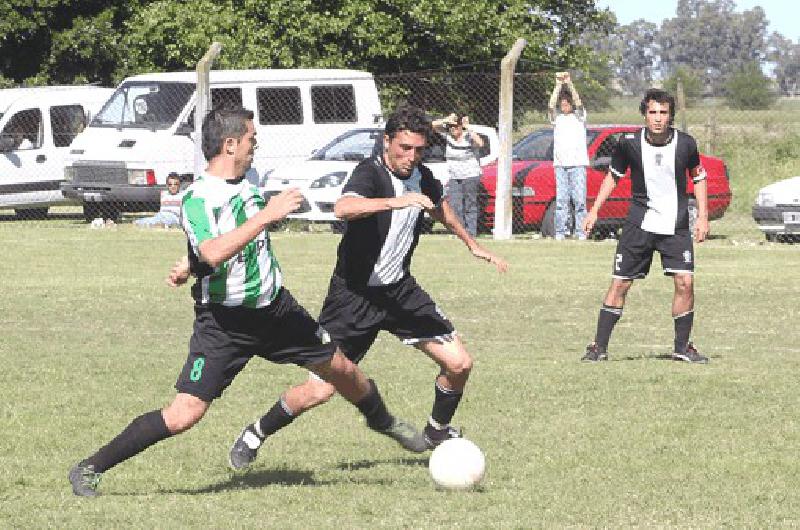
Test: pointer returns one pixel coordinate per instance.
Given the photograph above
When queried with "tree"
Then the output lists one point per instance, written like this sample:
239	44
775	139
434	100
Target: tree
709	36
785	55
749	89
690	81
639	55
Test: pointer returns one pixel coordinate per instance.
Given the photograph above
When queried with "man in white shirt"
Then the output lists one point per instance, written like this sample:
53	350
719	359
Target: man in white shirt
569	154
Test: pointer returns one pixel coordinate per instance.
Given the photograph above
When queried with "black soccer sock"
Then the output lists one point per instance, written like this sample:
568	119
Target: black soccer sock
274	420
146	430
609	315
445	404
683	328
374	409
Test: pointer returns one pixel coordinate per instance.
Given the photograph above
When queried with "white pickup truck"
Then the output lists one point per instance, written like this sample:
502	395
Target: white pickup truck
322	177
777	210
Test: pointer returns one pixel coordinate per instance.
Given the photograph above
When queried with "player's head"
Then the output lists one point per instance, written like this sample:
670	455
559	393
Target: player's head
229	132
405	138
658	108
565	102
173	183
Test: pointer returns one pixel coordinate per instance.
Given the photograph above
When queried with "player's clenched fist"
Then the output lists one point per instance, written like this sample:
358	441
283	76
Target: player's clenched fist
282	204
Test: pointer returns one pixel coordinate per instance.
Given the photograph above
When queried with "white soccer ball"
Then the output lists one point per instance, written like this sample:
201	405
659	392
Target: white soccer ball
457	464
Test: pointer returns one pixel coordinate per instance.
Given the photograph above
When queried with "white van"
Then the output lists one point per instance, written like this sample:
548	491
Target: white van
145	131
37	126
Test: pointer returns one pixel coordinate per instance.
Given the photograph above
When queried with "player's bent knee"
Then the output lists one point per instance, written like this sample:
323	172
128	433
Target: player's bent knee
184	413
320	392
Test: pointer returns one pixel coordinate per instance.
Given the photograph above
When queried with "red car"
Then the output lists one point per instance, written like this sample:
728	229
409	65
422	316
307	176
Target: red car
534	188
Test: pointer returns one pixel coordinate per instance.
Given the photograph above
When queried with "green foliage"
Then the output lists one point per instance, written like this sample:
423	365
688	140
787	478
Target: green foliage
71	40
749	89
690	80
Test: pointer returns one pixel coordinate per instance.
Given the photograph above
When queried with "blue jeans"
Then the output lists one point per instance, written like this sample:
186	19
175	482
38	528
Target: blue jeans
159	219
570	184
462	195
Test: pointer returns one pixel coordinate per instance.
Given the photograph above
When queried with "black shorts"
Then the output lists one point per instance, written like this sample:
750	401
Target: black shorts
354	317
226	338
635	253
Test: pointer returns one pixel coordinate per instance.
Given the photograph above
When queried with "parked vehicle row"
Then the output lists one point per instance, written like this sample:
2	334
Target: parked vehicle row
37	126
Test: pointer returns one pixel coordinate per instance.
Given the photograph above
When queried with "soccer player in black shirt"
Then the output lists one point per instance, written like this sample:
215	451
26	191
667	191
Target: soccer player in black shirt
372	288
659	158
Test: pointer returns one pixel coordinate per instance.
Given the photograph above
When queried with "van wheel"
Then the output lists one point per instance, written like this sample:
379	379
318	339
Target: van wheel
31	213
92	211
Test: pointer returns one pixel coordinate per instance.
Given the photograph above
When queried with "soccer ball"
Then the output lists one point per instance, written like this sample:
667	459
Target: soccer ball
457	464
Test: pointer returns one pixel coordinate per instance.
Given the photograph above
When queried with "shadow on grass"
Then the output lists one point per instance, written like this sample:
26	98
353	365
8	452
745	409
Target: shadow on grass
256	479
367	464
655	357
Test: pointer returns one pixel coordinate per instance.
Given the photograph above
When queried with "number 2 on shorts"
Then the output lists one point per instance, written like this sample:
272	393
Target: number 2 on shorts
617	263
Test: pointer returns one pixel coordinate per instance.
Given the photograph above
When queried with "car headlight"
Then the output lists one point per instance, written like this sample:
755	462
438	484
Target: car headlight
331	180
765	198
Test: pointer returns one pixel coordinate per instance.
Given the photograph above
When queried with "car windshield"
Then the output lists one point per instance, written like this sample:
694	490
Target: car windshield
354	145
145	104
538	145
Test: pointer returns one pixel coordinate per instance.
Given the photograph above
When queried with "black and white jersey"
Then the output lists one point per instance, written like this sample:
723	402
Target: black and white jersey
658	179
376	250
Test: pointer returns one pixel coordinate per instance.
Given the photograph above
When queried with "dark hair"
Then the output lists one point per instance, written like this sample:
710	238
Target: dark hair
659	96
565	95
174	176
222	123
409	118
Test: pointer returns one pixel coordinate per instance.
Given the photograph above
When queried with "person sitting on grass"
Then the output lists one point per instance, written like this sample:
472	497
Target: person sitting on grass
170	212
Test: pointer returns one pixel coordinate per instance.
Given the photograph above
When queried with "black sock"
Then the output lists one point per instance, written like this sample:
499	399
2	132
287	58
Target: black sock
146	430
609	315
683	328
445	404
374	409
274	420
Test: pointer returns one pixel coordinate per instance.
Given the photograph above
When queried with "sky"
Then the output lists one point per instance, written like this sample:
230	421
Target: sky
781	14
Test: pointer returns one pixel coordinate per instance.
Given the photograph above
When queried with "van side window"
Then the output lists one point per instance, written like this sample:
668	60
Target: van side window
333	103
25	127
279	106
219	96
66	121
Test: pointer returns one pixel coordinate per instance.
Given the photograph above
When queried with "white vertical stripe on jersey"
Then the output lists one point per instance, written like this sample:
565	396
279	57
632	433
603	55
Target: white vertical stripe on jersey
658	165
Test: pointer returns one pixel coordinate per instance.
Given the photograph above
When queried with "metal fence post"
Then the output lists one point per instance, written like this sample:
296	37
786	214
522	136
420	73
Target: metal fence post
202	104
502	200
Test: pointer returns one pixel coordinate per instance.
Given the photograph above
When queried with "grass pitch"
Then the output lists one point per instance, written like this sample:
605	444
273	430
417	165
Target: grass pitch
91	337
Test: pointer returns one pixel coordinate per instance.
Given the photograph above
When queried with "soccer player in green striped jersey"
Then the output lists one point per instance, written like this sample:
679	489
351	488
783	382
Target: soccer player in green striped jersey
241	306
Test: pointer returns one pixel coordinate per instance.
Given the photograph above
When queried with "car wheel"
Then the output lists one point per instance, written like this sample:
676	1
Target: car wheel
548	227
771	237
31	213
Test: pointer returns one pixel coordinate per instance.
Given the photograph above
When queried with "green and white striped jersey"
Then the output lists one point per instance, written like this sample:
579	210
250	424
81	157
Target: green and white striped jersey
211	207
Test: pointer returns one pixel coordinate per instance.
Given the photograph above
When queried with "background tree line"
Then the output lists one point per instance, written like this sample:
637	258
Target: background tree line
709	46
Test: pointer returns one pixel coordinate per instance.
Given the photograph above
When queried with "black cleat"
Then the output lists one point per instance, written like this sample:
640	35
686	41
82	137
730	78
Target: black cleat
244	450
434	436
691	355
594	353
84	480
406	435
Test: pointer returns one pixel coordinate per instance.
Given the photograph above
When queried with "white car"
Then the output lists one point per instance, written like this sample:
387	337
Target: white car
777	209
322	177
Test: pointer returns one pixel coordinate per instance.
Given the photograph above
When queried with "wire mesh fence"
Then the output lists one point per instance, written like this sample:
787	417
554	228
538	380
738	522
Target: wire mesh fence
79	161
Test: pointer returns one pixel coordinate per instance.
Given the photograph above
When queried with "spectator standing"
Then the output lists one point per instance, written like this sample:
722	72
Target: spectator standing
570	157
461	153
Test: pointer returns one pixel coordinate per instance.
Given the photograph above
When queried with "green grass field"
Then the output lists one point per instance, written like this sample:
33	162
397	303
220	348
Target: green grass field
93	337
